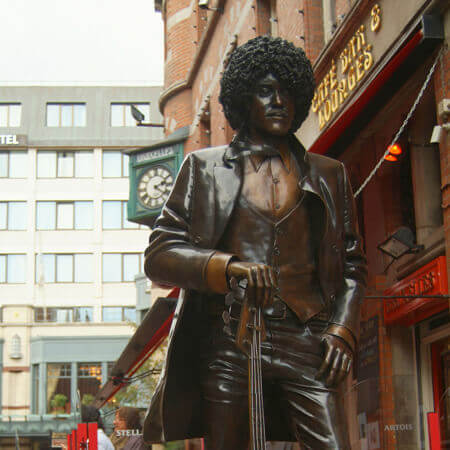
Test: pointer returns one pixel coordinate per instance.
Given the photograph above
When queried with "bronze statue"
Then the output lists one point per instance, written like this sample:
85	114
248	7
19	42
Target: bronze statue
264	210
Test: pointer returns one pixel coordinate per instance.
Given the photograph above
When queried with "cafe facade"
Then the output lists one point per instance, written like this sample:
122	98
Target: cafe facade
380	107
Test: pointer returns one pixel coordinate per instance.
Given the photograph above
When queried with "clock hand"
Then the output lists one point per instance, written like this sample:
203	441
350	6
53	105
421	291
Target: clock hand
157	186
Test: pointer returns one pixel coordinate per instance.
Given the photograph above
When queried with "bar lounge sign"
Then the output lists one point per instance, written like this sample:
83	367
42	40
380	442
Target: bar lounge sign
431	279
354	61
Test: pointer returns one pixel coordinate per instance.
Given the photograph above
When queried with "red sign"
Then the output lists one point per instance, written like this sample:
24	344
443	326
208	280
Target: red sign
430	279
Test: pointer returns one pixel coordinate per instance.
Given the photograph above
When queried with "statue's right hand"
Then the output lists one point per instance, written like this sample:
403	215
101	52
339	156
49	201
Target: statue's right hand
262	282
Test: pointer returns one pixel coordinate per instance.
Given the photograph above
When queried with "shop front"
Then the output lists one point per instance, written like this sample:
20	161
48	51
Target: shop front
375	108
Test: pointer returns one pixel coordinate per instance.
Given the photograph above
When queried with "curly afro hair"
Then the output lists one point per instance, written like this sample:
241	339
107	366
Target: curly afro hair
255	59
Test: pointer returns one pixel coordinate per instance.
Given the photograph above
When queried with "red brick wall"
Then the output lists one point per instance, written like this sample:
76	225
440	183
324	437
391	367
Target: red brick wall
178	111
443	91
182	40
313	28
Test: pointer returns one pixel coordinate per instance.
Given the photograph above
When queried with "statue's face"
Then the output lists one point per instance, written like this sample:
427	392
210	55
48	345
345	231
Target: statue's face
271	109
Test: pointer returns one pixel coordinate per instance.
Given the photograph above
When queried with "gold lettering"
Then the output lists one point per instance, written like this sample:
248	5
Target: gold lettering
334	100
327	108
342	89
361	37
321	96
351	46
368	60
314	105
321	119
375	21
344	60
351	78
359	67
326	83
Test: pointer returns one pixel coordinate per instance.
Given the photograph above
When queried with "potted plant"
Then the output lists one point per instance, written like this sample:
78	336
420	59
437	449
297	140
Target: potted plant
87	399
58	403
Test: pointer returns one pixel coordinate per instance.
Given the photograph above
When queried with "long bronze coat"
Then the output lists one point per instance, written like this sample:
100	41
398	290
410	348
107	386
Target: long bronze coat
184	238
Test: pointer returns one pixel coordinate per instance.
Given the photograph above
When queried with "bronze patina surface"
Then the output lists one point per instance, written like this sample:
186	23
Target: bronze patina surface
265	210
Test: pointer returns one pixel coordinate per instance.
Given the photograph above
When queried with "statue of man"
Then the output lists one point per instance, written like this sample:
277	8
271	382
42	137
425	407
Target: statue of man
265	210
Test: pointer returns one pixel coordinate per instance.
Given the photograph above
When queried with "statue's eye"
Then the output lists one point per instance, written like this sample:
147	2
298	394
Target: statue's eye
264	90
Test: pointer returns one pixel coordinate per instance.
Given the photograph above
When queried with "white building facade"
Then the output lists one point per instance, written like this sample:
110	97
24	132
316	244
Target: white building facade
68	255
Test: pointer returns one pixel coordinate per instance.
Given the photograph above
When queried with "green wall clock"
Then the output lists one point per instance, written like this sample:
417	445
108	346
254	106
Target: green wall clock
152	174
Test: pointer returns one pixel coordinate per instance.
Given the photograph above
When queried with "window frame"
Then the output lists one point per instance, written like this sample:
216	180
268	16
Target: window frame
55	277
61	107
51	314
60	203
124	164
8	213
125	106
7	106
122	313
123	255
7	263
123	219
76	162
8	154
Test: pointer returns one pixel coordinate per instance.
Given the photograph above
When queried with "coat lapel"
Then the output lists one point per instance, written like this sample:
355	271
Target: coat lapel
227	184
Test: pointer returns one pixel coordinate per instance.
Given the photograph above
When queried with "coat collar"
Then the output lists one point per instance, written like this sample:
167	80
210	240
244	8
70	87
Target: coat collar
240	147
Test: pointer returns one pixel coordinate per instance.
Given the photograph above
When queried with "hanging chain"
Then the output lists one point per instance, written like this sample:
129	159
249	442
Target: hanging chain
405	122
441	63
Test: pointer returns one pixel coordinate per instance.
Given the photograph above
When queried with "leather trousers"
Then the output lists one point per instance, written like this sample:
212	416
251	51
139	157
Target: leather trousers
291	356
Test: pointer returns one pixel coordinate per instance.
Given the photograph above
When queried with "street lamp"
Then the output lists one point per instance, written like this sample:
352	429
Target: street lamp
138	116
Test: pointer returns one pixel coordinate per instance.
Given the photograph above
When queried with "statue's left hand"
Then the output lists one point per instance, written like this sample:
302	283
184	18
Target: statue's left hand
337	361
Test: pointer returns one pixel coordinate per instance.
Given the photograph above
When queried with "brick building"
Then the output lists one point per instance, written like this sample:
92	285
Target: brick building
371	60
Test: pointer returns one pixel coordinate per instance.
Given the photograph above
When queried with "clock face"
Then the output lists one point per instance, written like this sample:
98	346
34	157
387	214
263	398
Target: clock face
154	187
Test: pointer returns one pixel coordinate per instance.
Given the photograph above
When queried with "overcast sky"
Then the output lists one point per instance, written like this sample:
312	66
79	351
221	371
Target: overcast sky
80	42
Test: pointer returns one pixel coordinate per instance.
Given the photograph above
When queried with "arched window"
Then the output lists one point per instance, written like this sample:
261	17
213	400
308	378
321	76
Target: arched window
16	347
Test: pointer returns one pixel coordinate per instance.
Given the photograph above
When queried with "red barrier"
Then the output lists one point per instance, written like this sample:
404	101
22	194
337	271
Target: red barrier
74	440
92	436
69	442
82	436
434	431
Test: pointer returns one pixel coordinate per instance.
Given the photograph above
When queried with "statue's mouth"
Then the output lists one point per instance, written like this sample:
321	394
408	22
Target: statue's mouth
278	114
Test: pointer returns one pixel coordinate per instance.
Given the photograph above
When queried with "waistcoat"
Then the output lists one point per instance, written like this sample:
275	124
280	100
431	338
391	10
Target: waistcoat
287	245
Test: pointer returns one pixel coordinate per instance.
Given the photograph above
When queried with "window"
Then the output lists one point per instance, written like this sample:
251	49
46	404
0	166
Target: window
64	268
115	164
65	164
13	164
89	381
59	388
118	314
114	216
13	215
16	347
77	215
118	267
64	315
12	268
10	114
121	114
66	114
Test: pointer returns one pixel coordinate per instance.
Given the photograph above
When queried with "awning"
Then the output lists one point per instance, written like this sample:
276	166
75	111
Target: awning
147	338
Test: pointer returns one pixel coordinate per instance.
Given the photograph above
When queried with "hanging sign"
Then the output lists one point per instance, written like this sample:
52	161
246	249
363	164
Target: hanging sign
430	279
